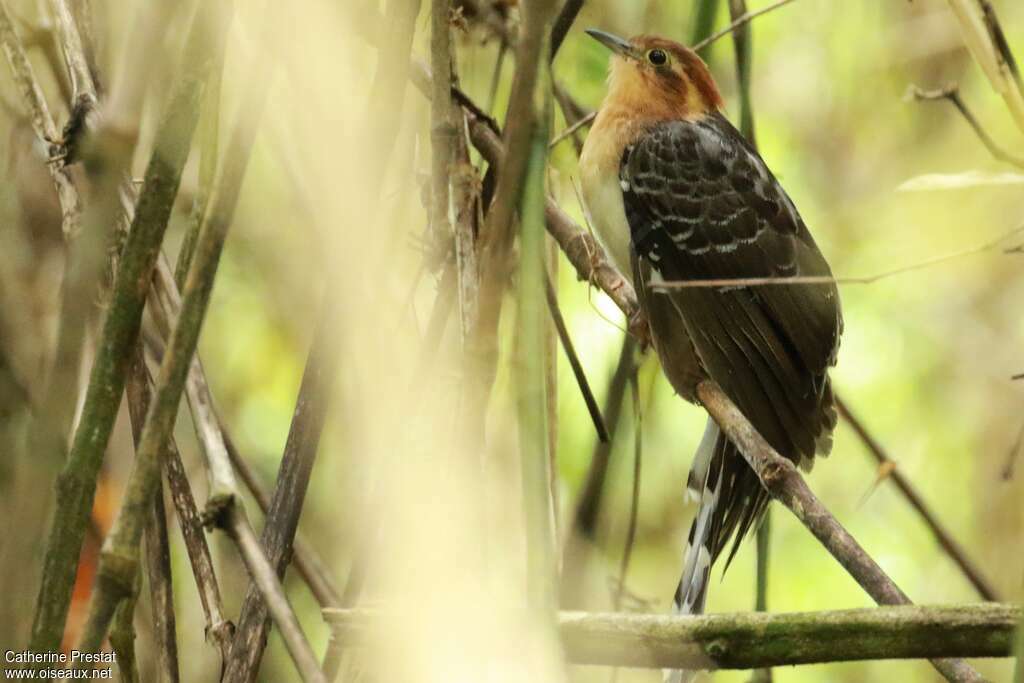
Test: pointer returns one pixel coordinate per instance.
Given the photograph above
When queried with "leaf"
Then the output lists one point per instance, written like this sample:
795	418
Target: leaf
956	181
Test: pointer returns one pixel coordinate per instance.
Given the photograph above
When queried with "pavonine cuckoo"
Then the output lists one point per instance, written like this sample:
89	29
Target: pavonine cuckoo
675	193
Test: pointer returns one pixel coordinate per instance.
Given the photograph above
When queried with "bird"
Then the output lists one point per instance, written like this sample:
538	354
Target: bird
675	193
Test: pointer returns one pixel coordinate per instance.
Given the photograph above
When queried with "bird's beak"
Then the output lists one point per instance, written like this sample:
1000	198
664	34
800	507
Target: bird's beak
617	45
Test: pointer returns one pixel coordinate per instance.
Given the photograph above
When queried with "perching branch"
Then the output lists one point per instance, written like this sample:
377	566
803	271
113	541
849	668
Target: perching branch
783	482
752	640
949	544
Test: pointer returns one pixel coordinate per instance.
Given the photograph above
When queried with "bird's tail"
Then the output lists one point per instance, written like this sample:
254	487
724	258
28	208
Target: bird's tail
728	499
704	487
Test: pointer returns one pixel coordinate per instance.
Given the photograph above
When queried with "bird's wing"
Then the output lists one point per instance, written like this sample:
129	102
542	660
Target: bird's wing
701	204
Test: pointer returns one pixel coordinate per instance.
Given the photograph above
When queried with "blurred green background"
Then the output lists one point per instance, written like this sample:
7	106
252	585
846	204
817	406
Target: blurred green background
926	356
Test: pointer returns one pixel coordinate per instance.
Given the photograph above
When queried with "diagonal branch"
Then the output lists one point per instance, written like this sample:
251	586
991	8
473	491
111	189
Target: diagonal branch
282	518
217	627
949	544
158	557
781	479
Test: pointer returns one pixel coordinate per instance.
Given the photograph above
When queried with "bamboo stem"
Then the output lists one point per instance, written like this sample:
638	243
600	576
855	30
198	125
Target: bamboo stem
76	484
755	639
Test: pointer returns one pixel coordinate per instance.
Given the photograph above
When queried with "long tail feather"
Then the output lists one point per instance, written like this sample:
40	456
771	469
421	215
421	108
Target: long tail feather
704	485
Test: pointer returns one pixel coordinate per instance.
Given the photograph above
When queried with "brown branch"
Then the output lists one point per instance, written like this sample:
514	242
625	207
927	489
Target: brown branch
158	557
738	22
563	23
307	561
218	628
282	519
82	84
571	130
580	247
781	479
951	93
953	549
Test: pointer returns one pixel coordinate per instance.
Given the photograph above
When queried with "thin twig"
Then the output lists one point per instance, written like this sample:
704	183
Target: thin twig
158	556
262	572
949	544
740	21
82	84
952	94
282	519
756	639
311	567
986	41
571	130
563	23
574	362
783	482
828	279
704	12
218	628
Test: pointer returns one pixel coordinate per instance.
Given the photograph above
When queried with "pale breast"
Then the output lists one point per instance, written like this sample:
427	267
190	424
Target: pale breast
602	194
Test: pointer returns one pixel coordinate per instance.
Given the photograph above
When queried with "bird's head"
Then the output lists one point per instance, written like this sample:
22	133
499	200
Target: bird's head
658	78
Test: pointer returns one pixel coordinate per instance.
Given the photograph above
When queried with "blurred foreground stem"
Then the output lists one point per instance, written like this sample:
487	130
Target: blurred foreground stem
76	484
530	355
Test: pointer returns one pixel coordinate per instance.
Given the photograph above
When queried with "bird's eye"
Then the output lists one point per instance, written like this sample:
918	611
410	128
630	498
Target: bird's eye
657	57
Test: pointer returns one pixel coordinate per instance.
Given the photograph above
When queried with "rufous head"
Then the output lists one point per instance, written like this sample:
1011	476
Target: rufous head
657	78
